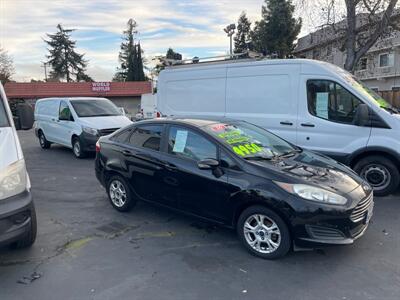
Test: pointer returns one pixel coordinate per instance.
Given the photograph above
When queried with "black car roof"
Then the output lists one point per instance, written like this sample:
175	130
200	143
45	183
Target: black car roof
194	121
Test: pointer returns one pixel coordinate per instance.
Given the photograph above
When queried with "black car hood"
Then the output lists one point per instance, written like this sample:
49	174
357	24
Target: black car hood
311	168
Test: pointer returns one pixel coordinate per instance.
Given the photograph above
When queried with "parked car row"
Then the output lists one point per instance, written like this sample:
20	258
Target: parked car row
274	192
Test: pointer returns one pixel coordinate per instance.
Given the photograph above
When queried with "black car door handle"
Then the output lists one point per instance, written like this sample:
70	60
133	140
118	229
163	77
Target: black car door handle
307	125
170	167
127	153
286	123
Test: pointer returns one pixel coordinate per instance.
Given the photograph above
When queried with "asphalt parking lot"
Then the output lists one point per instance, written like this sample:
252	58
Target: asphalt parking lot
87	250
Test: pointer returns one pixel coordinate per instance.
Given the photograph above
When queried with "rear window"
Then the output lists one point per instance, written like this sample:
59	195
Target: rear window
3	115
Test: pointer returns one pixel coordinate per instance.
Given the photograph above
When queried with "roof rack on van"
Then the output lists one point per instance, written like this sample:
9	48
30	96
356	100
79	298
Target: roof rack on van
167	62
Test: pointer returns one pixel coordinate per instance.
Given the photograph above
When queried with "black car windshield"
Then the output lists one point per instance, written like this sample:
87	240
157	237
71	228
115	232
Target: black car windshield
95	108
249	141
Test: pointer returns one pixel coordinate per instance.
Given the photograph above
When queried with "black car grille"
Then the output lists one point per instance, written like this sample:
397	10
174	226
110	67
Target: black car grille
107	131
324	233
362	207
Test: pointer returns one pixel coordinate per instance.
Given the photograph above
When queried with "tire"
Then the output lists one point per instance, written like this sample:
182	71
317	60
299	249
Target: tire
119	194
262	235
44	143
30	237
381	173
77	148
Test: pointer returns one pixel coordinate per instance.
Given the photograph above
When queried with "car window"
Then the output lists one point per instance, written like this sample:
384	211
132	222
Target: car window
329	100
64	112
147	136
122	136
226	161
186	143
3	115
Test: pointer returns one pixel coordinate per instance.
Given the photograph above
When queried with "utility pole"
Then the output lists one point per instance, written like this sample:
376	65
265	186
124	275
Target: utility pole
45	70
230	30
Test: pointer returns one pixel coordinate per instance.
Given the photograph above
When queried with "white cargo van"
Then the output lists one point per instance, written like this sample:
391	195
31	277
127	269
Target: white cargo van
313	104
17	212
76	123
148	106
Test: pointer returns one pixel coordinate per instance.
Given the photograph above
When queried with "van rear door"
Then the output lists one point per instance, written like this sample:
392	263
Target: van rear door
327	116
265	95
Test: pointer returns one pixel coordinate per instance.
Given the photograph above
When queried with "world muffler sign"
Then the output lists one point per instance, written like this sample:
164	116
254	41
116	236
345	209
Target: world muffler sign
101	87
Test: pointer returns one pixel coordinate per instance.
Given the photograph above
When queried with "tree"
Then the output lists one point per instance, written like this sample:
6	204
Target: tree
6	66
160	65
364	23
63	59
130	56
242	36
276	32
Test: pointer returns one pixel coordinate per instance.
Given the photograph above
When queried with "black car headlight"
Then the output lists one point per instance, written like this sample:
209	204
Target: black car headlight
313	193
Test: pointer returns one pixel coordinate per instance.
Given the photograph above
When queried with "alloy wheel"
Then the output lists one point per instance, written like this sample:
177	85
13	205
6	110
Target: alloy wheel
117	193
262	233
77	149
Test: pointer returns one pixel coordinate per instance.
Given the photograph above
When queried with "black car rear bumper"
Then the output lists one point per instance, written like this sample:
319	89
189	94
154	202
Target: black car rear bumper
15	217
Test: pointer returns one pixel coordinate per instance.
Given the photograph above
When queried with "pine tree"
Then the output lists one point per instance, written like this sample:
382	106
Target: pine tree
171	54
63	59
139	65
242	36
130	56
277	30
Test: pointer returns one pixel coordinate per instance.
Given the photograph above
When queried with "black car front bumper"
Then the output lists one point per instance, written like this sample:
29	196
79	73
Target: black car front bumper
329	228
15	217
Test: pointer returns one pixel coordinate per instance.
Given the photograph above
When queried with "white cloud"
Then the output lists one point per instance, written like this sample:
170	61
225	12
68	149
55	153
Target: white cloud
183	25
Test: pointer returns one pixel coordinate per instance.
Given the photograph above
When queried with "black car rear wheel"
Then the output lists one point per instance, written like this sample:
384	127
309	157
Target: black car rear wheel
263	233
120	194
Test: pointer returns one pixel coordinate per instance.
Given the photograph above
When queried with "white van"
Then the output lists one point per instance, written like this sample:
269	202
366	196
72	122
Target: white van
17	213
76	123
148	107
312	104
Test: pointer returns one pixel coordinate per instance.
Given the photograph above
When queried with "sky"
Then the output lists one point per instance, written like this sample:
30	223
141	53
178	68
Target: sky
193	28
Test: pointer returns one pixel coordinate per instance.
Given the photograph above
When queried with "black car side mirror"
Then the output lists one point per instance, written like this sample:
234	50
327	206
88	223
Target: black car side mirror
208	164
361	117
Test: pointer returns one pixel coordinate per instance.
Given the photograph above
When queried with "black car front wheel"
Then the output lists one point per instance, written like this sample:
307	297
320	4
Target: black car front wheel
30	237
119	194
263	232
381	173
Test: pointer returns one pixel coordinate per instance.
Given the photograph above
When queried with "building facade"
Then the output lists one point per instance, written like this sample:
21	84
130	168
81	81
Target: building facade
122	94
379	68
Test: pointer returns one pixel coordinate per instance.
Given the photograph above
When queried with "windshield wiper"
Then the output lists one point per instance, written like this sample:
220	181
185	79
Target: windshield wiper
289	153
258	158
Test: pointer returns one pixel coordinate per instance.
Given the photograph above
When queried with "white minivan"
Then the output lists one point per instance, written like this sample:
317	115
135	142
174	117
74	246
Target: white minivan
17	212
312	104
76	123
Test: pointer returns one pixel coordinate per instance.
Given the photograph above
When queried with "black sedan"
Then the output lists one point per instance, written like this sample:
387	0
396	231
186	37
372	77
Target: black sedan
234	173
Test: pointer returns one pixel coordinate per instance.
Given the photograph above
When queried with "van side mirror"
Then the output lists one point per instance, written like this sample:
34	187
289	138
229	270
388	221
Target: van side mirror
361	117
25	116
208	164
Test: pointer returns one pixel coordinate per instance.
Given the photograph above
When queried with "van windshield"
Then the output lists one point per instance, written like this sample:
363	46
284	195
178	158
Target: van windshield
95	108
3	115
249	141
371	95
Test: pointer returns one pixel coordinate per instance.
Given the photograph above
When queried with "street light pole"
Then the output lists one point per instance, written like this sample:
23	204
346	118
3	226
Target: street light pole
230	30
